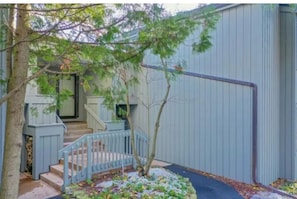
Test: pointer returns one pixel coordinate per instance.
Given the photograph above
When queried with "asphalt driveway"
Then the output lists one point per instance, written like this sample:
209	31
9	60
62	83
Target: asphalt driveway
206	187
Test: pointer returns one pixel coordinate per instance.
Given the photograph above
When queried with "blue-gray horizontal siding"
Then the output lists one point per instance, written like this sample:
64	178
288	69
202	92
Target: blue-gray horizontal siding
288	99
213	132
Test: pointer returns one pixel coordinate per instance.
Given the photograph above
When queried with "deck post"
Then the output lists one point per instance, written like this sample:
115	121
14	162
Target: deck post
66	171
89	158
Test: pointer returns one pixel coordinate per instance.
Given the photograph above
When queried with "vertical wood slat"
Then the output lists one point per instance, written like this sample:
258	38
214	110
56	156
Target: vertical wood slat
93	110
46	144
37	114
208	117
245	48
288	94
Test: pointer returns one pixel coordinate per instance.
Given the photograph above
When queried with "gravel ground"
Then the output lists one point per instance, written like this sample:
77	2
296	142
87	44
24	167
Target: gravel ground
268	195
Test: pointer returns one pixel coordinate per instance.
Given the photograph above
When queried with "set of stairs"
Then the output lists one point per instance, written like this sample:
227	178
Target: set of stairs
75	130
55	176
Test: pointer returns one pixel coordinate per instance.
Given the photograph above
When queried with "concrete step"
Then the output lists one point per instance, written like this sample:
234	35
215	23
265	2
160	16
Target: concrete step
53	180
59	170
54	177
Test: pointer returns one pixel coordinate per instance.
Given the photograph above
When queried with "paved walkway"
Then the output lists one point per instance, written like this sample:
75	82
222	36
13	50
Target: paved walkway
35	189
206	187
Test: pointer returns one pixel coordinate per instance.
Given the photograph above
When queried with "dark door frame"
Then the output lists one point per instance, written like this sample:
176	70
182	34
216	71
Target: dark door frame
76	99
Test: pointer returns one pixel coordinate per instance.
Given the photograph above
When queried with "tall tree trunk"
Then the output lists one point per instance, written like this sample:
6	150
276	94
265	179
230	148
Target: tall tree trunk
133	144
15	108
158	119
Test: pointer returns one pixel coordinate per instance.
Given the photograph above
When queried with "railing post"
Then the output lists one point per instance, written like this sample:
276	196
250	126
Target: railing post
66	171
89	158
117	153
134	164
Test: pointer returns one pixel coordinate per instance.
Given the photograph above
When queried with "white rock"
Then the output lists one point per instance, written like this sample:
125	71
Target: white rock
267	195
105	184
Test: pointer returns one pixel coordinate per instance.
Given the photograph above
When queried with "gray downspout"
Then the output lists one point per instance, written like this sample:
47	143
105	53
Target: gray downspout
255	149
254	118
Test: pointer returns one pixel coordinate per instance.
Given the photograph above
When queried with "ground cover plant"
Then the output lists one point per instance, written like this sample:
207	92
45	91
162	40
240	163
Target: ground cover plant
286	185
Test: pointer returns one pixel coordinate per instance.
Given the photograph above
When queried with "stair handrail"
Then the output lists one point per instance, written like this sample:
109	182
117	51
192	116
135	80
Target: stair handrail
115	147
60	121
95	117
72	145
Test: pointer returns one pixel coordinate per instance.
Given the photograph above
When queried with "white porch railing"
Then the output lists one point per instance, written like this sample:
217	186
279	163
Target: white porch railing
99	152
93	120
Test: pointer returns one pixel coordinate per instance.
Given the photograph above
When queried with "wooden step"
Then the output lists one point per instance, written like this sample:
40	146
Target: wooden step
75	130
68	139
71	138
76	125
79	131
53	180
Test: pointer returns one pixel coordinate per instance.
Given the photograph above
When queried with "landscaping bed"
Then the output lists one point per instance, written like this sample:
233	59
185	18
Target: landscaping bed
98	188
286	185
161	183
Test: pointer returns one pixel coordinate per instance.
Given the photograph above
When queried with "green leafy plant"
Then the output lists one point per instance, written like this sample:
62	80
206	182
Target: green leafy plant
290	187
167	34
127	187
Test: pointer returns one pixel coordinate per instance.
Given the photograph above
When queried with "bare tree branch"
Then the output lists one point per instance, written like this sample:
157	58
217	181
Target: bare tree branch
58	9
31	40
59	72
